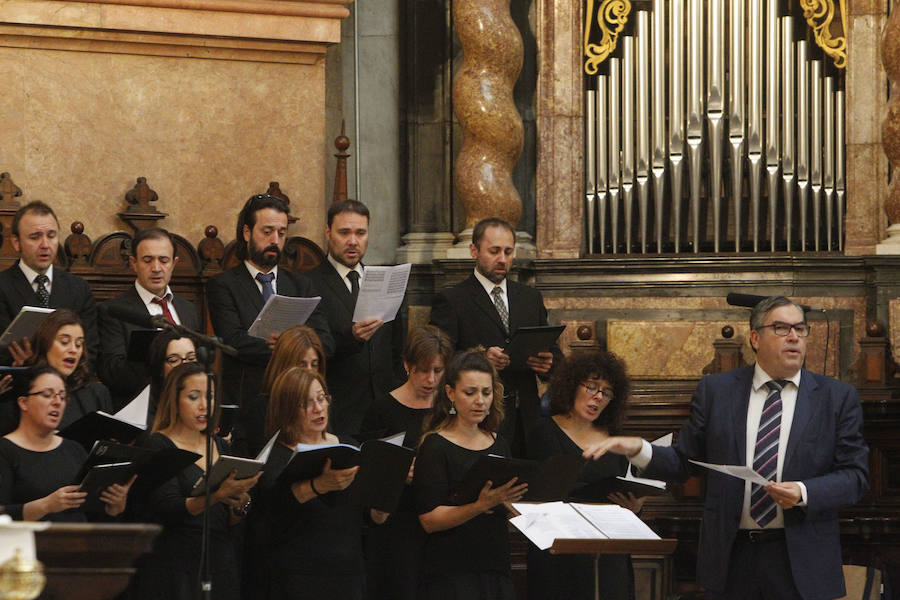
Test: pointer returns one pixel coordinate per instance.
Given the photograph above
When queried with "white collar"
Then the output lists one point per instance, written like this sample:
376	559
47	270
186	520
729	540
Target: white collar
147	296
343	269
253	270
30	273
760	378
489	285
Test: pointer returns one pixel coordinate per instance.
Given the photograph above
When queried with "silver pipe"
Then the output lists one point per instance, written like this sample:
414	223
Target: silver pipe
803	139
658	120
590	167
602	156
754	117
815	142
642	115
839	184
787	129
676	111
615	149
773	141
358	140
715	105
828	155
628	137
736	122
695	111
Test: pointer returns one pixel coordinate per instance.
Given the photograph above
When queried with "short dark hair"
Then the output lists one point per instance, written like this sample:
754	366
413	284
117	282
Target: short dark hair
153	233
758	313
43	340
582	365
247	217
351	206
35	206
482	225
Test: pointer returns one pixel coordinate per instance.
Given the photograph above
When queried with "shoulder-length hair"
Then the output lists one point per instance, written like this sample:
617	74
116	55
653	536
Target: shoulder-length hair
474	359
292	345
581	366
156	359
45	336
287	402
167	412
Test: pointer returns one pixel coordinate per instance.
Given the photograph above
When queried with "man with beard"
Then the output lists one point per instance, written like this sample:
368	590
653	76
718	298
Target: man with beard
366	359
484	310
235	298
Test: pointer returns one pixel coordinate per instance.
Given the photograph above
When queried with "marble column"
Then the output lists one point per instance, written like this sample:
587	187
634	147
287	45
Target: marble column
890	131
483	103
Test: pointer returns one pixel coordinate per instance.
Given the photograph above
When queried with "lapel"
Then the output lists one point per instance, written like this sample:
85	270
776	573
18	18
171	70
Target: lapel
336	283
803	412
484	303
134	299
742	383
516	306
22	287
247	288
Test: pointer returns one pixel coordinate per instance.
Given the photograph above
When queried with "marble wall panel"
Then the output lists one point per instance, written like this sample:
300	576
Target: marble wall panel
78	128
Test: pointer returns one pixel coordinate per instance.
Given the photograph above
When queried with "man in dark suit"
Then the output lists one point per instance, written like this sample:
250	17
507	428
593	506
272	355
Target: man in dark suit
153	260
801	432
33	280
236	296
472	314
366	360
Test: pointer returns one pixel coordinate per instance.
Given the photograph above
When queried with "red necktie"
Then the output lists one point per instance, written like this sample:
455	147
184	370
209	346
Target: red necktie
165	308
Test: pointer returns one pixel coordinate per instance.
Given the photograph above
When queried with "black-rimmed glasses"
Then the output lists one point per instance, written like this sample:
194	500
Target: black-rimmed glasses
783	329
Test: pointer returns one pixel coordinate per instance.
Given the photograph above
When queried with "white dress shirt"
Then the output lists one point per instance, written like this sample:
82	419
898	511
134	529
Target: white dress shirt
253	271
343	270
153	308
489	286
30	274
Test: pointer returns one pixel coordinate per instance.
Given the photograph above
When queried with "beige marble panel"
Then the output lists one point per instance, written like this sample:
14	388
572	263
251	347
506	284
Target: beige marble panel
894	326
78	128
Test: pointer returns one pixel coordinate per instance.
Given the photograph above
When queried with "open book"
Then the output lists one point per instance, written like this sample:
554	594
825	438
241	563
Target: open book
544	523
383	467
24	325
123	426
242	467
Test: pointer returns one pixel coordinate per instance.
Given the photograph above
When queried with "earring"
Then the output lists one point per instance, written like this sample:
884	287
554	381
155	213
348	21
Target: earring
452	410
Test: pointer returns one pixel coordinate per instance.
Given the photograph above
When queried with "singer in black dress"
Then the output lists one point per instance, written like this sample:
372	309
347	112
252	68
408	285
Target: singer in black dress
305	538
172	569
587	400
394	550
466	553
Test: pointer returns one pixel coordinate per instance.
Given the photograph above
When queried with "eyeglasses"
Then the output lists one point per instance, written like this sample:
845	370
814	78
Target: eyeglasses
594	388
321	399
783	329
174	360
48	393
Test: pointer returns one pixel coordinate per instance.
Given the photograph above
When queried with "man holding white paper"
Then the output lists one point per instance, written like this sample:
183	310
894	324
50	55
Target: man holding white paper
366	361
802	432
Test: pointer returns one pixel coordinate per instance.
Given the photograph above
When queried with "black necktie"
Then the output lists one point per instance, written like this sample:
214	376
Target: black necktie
42	291
353	276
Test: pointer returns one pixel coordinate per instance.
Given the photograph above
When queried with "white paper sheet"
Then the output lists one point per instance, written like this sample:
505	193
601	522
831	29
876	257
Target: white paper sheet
617	522
381	293
135	412
665	440
739	471
280	313
545	522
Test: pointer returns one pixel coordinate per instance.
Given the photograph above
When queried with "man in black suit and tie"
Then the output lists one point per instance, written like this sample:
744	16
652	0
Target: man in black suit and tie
485	310
366	360
153	260
802	432
33	280
235	298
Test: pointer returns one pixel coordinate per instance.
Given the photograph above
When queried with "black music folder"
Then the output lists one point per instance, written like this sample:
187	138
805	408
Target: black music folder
243	468
100	477
548	480
153	467
528	341
99	425
599	490
383	467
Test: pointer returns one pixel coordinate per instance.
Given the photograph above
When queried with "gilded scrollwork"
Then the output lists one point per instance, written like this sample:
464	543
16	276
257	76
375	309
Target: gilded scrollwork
820	16
611	17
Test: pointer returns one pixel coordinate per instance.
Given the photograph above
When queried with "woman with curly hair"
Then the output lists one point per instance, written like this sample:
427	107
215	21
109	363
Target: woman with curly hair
467	550
588	392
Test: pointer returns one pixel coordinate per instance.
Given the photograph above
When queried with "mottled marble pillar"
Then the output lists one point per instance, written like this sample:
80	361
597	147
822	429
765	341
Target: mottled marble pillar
483	103
890	131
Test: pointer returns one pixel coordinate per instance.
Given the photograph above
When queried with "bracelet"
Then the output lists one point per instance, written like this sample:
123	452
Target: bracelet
243	510
312	486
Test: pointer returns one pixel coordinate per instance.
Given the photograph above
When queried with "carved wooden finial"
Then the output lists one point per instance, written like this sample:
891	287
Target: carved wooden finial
341	142
78	246
140	214
211	250
8	191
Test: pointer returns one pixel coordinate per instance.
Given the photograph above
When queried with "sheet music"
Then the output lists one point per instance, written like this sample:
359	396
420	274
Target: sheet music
280	313
135	412
665	440
739	471
263	455
396	440
617	522
545	522
381	293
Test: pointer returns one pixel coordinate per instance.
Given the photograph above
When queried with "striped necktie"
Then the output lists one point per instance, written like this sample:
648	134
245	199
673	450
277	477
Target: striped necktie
500	305
765	454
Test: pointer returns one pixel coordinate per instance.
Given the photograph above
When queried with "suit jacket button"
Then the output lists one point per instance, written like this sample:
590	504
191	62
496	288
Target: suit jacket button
506	341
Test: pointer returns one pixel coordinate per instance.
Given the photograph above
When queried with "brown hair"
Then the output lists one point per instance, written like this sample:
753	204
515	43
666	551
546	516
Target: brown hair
36	207
424	344
287	402
45	336
292	344
167	412
582	365
474	359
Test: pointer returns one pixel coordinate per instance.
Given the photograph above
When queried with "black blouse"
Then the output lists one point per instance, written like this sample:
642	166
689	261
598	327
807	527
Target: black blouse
27	475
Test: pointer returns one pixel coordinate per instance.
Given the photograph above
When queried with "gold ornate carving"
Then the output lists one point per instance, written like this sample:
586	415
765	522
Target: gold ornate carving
612	15
820	17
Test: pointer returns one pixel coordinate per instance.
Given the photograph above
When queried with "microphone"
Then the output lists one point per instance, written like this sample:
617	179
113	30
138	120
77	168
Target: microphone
138	317
751	300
